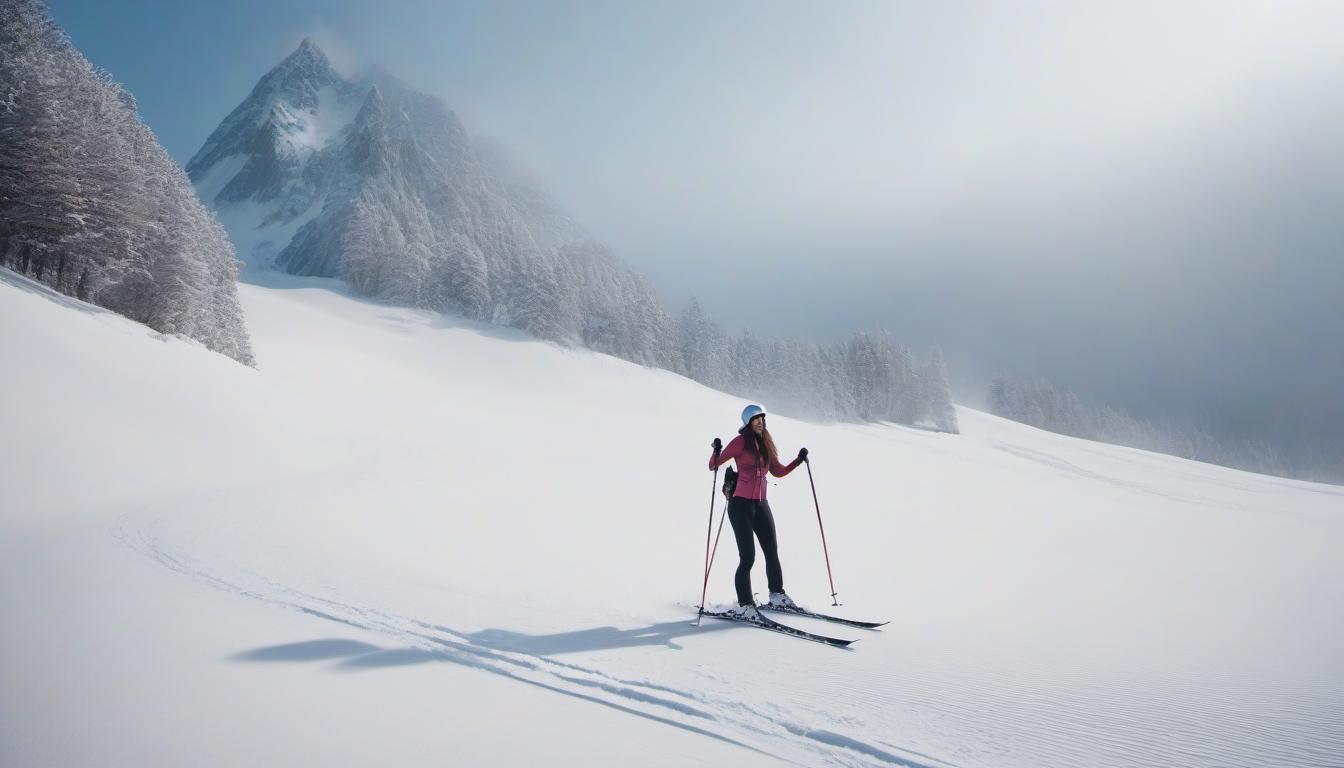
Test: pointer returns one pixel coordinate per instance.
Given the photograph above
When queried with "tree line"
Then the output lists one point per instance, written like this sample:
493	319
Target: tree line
868	377
478	239
580	294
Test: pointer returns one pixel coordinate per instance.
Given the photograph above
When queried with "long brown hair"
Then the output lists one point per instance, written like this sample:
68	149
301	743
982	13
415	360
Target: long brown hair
761	445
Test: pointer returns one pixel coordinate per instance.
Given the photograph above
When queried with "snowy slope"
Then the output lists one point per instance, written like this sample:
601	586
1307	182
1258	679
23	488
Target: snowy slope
405	537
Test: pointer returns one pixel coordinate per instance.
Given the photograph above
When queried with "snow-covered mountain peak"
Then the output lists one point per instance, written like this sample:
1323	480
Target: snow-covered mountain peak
301	75
302	84
369	180
308	49
310	144
418	114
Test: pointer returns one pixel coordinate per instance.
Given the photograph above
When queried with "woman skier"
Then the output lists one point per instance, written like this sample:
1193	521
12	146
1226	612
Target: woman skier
754	451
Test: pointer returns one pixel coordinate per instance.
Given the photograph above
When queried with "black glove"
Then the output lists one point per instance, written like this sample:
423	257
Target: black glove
718	446
802	454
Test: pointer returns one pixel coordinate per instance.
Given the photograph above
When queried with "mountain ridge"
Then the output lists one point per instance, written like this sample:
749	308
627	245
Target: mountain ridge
366	179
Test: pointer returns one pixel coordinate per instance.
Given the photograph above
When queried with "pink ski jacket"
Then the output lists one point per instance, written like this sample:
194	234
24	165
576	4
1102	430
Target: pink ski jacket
750	473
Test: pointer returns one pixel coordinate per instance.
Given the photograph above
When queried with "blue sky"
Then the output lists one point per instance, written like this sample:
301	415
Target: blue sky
1139	200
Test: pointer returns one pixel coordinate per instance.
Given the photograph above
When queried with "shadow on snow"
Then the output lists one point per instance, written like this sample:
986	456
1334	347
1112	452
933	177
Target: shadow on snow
487	651
526	658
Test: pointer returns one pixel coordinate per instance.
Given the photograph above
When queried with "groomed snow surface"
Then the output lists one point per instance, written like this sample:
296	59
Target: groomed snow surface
408	539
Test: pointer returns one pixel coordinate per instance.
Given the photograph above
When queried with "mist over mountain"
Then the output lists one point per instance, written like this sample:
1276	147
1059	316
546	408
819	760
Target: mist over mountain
365	179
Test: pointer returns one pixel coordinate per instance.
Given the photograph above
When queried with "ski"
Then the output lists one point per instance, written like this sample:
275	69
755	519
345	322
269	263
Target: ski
824	617
784	629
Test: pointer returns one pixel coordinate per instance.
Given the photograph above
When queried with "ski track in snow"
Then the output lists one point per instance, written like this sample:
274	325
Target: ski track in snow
1105	724
732	721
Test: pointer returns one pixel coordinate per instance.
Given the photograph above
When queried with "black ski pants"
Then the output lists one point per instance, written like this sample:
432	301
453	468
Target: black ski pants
750	516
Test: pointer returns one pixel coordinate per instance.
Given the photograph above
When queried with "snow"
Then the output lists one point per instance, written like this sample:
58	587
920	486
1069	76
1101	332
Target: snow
258	243
218	177
304	132
255	243
334	114
407	537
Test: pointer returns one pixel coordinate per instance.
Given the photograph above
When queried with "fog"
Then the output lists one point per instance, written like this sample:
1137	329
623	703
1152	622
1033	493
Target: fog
1138	201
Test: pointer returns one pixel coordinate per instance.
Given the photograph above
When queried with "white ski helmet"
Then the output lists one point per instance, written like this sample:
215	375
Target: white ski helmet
751	412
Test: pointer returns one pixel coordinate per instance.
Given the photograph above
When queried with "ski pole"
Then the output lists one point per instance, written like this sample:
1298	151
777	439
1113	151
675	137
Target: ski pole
808	462
704	589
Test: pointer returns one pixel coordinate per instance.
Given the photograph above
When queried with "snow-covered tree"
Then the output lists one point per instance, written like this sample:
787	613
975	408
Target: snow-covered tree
938	393
91	205
361	251
465	277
